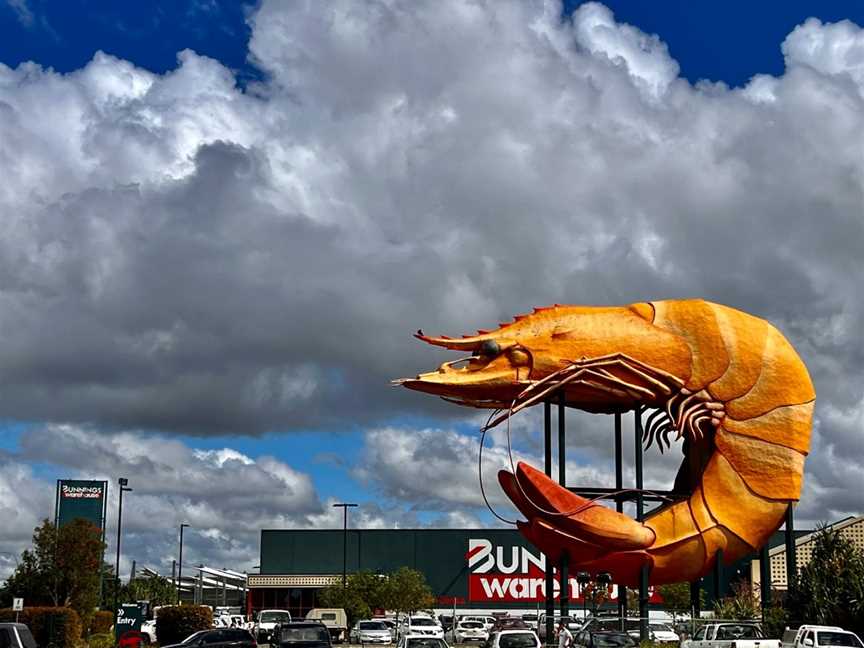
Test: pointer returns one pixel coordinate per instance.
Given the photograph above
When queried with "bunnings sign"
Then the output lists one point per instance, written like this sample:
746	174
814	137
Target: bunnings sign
77	498
517	574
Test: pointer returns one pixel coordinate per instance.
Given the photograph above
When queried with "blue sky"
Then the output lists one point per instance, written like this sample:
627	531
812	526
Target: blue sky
305	141
65	35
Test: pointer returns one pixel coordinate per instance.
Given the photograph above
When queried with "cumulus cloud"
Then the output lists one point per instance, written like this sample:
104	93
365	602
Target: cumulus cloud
23	504
437	468
225	496
182	254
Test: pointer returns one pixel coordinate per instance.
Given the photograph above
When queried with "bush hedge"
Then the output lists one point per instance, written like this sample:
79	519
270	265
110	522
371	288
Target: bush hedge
103	640
101	622
175	623
50	626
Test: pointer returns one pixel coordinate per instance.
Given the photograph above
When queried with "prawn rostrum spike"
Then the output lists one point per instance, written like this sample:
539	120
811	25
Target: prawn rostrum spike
727	382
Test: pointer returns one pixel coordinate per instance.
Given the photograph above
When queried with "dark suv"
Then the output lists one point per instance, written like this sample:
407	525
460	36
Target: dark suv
300	634
16	635
218	638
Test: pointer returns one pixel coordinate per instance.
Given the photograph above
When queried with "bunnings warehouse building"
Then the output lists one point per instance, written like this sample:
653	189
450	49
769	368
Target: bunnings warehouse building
494	570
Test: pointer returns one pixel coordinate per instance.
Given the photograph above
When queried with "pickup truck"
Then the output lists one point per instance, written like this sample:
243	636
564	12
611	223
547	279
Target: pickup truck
817	636
266	622
730	635
16	635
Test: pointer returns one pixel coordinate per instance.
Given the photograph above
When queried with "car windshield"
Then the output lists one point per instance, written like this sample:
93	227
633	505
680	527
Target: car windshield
838	639
613	640
738	632
422	621
372	625
471	624
662	627
426	643
195	637
517	640
308	633
275	617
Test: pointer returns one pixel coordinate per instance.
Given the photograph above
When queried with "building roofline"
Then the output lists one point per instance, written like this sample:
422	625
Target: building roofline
836	526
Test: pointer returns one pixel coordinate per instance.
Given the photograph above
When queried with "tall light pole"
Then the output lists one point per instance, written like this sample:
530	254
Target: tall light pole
344	506
180	563
123	489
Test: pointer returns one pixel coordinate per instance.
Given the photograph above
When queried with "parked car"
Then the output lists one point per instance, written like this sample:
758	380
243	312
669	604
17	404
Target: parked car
370	631
302	634
218	638
266	621
720	635
421	641
422	626
148	629
819	636
16	635
391	624
509	623
487	621
513	639
662	632
467	630
334	618
604	639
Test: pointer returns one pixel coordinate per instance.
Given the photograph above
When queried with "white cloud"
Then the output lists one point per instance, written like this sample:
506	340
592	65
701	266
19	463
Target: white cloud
180	254
831	49
24	503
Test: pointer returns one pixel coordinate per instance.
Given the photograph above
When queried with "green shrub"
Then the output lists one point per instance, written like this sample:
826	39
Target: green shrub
177	622
103	640
101	622
51	626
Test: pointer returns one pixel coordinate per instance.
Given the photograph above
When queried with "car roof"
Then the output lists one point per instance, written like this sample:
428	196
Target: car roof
303	624
515	631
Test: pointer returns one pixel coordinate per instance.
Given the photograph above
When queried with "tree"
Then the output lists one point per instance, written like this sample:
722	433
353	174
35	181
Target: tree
829	590
78	563
742	605
27	582
676	599
407	591
156	589
363	592
62	569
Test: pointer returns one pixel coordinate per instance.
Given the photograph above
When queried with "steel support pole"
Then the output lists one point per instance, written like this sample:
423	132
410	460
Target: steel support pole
345	546
640	516
180	565
791	554
719	590
550	568
695	604
619	506
117	562
765	579
564	571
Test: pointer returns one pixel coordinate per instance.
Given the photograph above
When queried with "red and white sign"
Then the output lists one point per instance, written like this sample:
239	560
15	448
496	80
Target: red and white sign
68	491
514	574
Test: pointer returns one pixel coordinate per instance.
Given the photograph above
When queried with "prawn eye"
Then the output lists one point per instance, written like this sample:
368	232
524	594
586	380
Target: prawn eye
489	348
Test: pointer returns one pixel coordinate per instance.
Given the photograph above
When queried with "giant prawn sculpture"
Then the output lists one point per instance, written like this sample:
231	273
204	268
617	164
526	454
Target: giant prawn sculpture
727	382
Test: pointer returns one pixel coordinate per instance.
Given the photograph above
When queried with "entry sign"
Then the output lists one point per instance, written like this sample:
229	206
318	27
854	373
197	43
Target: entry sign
129	618
17	604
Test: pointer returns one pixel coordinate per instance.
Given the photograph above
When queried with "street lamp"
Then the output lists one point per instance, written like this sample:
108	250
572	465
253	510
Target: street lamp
180	563
344	507
123	489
